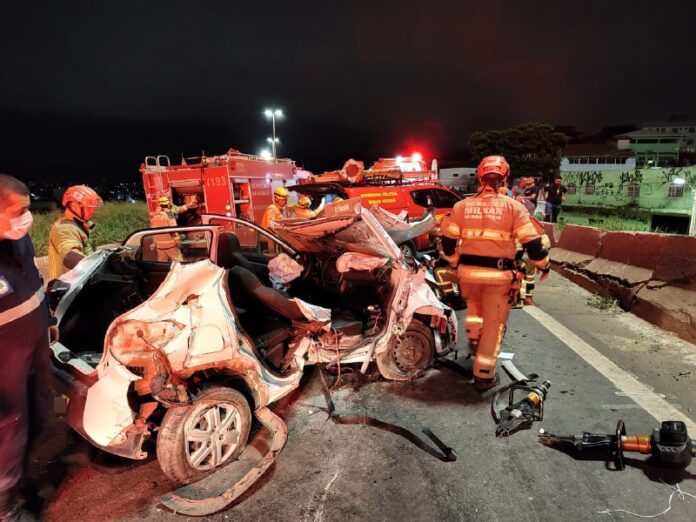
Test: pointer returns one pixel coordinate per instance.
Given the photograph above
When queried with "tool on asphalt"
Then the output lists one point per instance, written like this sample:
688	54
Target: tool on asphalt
669	446
520	414
446	454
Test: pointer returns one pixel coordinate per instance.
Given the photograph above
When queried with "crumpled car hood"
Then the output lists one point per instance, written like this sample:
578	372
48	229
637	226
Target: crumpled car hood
351	229
401	230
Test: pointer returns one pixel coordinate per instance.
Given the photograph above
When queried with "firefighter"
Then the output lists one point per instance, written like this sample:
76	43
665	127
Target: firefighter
275	210
68	241
25	396
479	239
167	245
303	211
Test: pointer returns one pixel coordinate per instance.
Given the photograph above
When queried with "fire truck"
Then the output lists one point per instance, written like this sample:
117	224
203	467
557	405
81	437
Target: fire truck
232	184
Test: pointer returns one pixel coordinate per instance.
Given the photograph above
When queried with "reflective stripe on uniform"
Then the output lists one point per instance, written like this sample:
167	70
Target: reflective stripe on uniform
484	233
526	233
483	276
22	309
473	319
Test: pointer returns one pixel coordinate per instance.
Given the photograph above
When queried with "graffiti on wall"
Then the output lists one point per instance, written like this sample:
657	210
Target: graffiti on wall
684	173
612	188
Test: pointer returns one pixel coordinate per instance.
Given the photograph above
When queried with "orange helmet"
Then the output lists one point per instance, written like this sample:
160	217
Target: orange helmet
492	168
83	196
304	202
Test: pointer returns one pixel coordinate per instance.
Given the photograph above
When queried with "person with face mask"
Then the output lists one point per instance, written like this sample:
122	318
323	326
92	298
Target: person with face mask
68	241
24	344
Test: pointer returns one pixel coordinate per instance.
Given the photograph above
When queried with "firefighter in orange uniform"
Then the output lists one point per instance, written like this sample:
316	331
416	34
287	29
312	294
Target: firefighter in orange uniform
479	238
167	245
275	210
302	211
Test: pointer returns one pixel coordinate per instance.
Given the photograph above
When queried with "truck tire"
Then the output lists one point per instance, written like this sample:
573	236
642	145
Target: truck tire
409	356
196	439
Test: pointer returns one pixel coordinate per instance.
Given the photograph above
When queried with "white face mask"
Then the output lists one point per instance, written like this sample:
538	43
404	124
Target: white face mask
19	226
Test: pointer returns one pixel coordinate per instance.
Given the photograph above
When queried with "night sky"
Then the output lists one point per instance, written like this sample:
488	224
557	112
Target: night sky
89	88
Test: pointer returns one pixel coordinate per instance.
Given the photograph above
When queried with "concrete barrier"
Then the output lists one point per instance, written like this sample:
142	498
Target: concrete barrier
552	231
652	275
630	257
677	261
577	245
671	307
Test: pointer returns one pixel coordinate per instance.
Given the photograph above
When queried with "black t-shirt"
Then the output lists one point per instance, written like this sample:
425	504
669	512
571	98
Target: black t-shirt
19	277
554	193
530	191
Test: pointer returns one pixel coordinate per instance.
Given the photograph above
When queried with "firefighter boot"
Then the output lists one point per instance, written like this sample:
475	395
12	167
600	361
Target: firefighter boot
482	385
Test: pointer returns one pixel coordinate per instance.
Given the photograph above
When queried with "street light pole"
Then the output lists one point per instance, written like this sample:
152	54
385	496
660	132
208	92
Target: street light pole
692	218
272	113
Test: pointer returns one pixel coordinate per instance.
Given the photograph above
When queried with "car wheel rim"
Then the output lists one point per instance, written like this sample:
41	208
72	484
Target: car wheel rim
213	437
412	352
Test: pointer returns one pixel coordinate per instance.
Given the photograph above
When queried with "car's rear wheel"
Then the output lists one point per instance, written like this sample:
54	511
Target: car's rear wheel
409	355
197	439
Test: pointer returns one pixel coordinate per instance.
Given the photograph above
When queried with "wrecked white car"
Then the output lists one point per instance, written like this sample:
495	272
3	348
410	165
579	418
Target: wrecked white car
191	349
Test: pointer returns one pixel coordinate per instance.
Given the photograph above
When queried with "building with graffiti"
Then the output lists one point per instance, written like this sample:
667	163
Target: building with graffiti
660	197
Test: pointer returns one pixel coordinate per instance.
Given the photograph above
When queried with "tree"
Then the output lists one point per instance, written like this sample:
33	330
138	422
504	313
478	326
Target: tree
531	149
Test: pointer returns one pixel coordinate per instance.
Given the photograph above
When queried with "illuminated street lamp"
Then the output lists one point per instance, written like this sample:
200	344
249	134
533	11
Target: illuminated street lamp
274	144
273	114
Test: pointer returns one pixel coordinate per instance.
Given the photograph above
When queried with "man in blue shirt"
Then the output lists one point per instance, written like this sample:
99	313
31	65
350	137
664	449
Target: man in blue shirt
24	323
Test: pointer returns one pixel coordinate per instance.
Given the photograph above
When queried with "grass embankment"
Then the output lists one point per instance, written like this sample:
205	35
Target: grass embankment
612	223
113	222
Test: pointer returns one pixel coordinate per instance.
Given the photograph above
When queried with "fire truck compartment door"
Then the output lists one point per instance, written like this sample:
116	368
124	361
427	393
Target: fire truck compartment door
216	189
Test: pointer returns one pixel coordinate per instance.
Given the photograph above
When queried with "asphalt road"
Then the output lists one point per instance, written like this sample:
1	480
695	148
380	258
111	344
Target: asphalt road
333	472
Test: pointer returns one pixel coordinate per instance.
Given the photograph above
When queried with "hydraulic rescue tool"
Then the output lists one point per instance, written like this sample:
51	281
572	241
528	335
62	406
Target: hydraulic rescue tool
669	446
519	415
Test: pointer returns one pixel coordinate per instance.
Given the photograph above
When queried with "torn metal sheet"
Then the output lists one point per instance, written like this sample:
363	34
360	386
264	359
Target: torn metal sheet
401	230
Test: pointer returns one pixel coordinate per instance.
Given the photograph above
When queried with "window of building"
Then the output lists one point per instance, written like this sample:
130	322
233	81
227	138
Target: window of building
675	190
571	188
589	189
692	129
668	140
633	190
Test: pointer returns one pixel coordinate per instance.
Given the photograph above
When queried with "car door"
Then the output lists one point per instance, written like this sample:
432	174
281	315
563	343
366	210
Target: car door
154	263
444	200
257	245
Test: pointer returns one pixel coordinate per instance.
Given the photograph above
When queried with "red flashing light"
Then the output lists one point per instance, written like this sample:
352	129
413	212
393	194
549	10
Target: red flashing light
416	156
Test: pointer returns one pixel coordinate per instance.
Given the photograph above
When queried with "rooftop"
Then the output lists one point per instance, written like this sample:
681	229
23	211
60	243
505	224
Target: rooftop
595	150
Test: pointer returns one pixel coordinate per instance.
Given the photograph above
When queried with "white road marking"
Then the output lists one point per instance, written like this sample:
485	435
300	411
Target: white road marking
640	393
320	509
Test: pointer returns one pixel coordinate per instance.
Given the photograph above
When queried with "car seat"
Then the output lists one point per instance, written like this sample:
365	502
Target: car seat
229	252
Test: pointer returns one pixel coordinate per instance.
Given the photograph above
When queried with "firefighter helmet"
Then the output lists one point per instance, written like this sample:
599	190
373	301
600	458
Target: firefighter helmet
281	192
304	202
493	170
164	201
83	196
